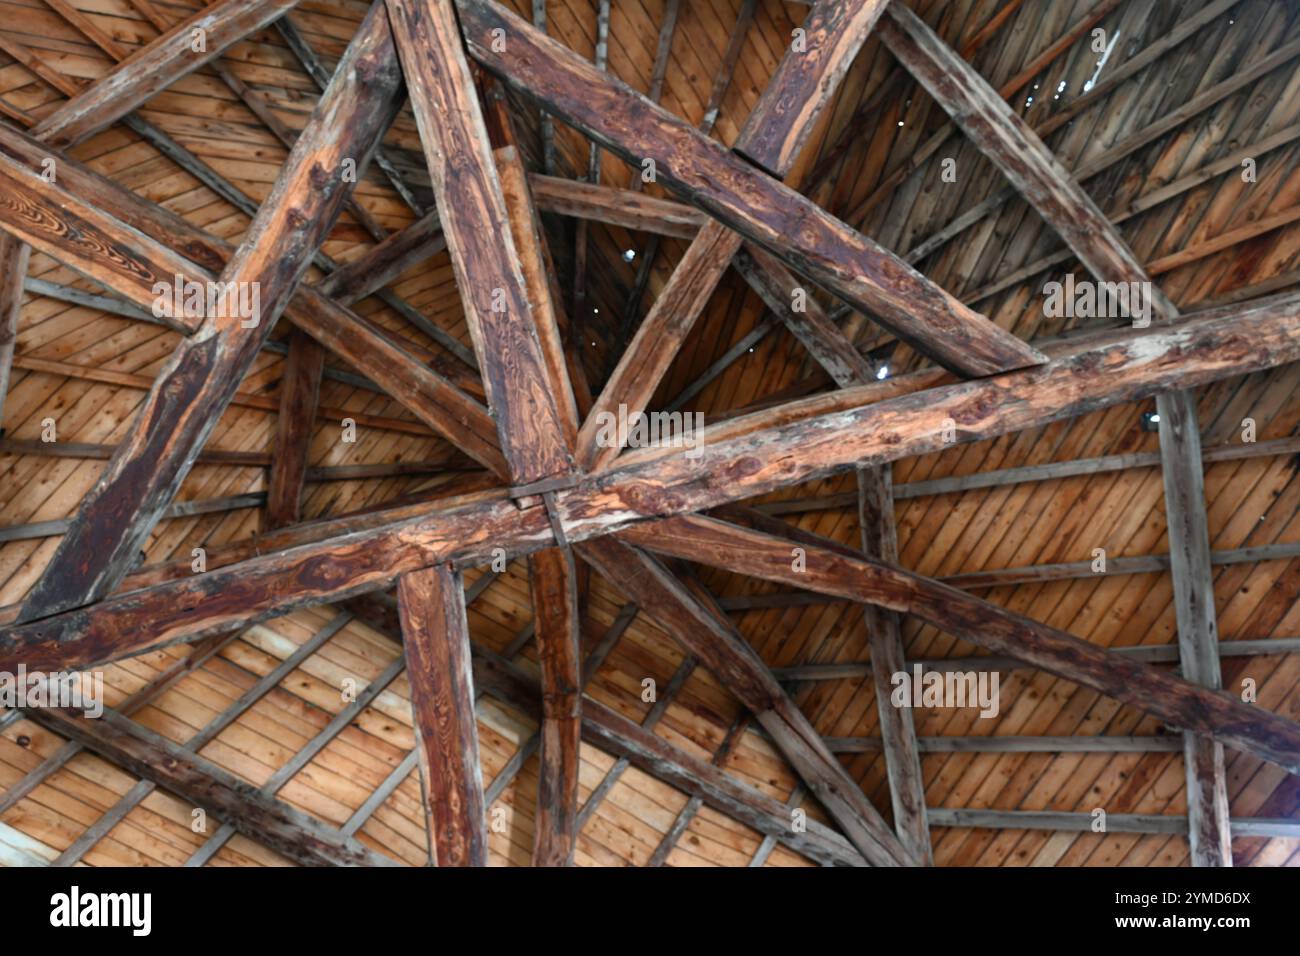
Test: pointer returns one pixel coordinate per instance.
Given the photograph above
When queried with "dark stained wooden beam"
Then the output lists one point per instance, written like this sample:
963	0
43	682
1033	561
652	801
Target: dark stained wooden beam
157	66
554	582
479	239
299	391
810	325
740	195
274	824
692	619
199	382
834	569
436	636
13	266
82	213
1137	366
377	267
1198	629
628	208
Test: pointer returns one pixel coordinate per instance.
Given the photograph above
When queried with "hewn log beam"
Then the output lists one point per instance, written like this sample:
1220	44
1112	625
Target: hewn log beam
270	822
477	228
436	636
879	536
13	266
695	622
294	426
1139	365
157	66
203	375
740	195
628	208
554	583
1198	630
834	569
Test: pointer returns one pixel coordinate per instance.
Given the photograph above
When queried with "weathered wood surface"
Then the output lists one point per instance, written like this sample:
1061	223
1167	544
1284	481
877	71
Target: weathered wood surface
157	66
436	636
377	267
565	376
477	228
628	208
14	254
834	569
810	325
1198	630
691	618
299	392
1196	352
740	195
554	582
879	537
278	826
204	373
141	237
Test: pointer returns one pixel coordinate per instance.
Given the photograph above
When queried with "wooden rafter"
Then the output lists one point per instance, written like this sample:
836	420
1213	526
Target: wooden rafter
561	489
436	636
181	50
282	828
476	225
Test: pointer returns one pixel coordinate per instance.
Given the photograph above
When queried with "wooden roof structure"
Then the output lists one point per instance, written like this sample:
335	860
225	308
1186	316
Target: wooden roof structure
366	576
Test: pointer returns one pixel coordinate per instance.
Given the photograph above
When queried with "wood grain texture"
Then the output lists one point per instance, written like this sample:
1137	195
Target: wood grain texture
14	254
204	373
553	579
806	80
1008	141
295	424
743	197
834	569
290	832
379	266
157	66
809	324
692	619
1140	365
1198	630
431	603
477	228
628	208
879	536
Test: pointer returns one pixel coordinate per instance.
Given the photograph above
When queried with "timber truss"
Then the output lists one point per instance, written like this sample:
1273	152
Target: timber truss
558	494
